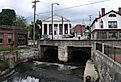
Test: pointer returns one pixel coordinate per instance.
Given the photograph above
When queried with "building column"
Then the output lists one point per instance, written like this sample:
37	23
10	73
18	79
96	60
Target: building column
68	29
58	30
107	37
47	29
63	29
42	29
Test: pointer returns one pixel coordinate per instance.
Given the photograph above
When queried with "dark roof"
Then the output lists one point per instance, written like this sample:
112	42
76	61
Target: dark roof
104	15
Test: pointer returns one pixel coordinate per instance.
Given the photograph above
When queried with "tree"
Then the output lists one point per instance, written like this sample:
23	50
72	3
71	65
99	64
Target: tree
7	17
38	29
20	21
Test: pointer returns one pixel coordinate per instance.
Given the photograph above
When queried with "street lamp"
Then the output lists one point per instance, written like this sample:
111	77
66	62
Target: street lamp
52	19
34	6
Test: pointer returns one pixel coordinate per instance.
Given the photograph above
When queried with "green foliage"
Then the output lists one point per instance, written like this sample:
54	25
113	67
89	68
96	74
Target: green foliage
38	30
13	49
3	64
20	21
7	17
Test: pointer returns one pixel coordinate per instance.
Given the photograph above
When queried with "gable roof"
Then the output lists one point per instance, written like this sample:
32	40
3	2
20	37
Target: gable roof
104	15
56	18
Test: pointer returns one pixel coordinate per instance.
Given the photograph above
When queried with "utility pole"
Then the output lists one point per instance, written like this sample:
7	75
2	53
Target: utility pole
34	6
90	19
52	18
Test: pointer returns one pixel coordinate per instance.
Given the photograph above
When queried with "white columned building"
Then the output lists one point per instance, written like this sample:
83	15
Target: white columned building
61	27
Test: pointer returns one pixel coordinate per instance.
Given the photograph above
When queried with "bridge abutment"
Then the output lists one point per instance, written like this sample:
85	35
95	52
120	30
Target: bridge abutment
63	53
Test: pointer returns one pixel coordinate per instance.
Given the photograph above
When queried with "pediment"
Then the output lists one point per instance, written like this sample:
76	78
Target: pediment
56	18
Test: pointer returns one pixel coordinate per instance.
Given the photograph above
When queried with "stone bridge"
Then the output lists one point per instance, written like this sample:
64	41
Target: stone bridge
63	46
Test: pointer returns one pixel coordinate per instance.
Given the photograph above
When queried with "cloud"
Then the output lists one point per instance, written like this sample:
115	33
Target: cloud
67	8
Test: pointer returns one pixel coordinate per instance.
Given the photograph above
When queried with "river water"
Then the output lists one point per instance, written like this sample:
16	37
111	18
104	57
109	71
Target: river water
46	72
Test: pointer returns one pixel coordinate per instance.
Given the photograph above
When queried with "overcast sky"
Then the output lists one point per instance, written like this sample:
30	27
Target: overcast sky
77	11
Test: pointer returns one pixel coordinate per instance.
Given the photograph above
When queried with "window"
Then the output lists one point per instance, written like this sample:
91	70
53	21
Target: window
112	24
66	28
112	15
22	39
101	24
120	35
50	29
60	29
102	35
45	28
1	37
55	29
10	38
113	35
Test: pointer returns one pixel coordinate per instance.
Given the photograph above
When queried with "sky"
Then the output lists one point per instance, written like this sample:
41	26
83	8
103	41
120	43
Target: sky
77	11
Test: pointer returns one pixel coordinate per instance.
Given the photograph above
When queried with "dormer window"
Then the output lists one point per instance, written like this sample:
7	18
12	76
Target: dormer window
112	15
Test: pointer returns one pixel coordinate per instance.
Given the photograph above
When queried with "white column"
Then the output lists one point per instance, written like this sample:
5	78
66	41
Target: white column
68	29
47	29
63	29
58	29
42	29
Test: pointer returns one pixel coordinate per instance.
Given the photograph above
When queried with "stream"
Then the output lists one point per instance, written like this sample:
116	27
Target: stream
46	72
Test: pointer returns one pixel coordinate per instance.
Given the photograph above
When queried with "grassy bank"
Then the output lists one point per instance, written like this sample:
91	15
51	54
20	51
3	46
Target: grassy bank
13	49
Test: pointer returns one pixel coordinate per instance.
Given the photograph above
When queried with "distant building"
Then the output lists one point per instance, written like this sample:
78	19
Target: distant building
61	27
12	36
107	26
79	31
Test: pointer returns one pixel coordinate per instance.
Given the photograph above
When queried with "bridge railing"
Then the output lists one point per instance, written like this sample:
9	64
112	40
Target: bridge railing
114	52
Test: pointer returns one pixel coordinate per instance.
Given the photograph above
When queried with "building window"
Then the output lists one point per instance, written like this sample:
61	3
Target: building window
1	37
50	29
102	35
120	35
21	39
10	38
60	29
45	28
113	35
101	24
55	29
66	28
112	15
112	24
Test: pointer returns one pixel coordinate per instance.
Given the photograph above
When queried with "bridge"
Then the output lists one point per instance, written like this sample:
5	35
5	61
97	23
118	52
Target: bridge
106	54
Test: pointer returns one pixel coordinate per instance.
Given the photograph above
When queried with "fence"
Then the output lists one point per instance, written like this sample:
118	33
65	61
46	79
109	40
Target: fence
110	50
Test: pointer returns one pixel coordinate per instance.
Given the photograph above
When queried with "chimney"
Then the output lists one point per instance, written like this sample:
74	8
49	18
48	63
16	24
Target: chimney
119	10
102	11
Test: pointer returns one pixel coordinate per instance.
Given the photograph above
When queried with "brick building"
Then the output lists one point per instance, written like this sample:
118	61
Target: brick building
12	36
79	31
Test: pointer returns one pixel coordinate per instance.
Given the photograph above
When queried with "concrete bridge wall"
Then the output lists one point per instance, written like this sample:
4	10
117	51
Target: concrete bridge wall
109	70
63	44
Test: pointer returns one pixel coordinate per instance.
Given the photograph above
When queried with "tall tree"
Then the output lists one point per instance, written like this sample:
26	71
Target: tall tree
38	29
20	21
7	17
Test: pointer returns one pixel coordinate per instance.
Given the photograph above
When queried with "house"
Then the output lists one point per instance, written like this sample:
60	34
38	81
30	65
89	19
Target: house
61	28
12	36
79	31
107	26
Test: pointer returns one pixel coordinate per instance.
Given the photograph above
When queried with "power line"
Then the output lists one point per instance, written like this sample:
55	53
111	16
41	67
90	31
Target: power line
73	7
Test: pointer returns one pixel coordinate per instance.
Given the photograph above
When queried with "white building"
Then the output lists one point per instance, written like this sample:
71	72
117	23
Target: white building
107	26
61	27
